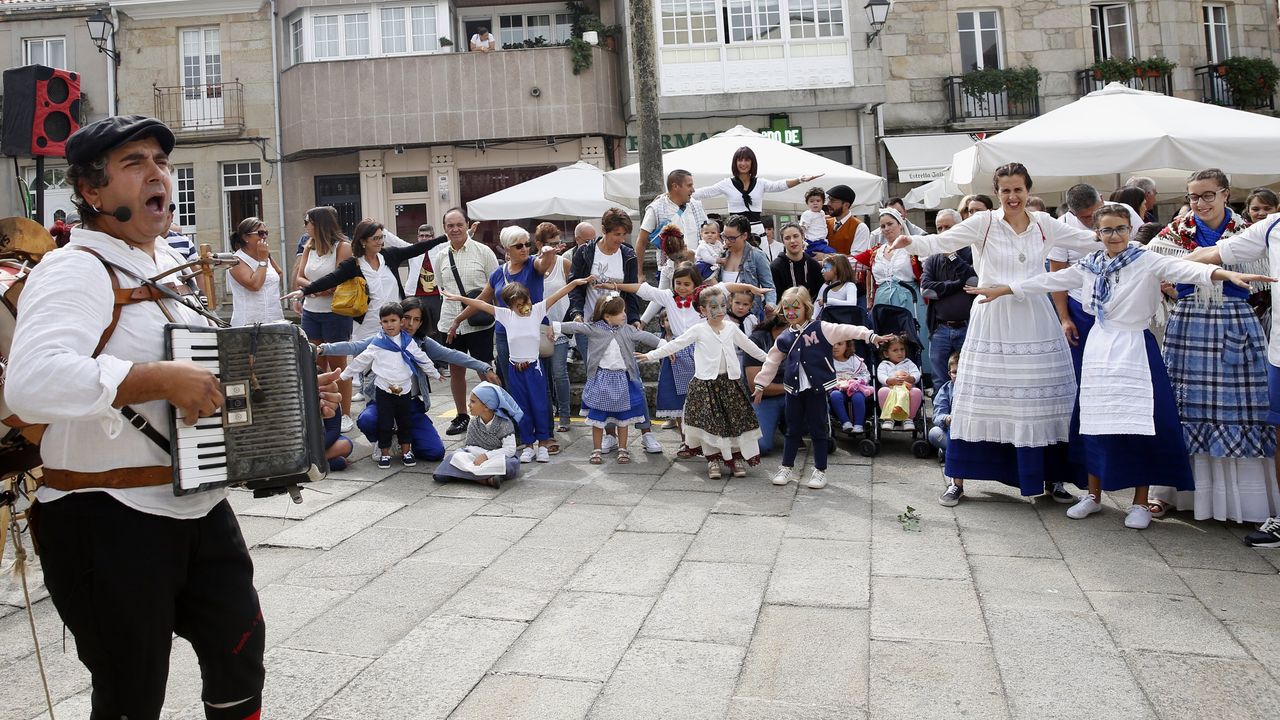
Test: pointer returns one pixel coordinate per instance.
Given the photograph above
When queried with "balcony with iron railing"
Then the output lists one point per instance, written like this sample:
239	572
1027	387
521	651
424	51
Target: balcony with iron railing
206	111
964	108
1212	84
1090	80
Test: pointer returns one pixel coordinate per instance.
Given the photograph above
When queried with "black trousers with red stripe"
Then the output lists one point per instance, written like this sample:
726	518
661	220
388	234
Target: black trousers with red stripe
125	582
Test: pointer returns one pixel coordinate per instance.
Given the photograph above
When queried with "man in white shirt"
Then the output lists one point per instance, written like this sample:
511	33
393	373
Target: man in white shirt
675	206
471	262
127	562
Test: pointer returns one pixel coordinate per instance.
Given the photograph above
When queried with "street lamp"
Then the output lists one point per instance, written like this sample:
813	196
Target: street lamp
100	28
877	14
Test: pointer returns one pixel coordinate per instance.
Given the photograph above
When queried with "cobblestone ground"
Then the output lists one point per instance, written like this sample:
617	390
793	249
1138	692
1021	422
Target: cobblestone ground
648	591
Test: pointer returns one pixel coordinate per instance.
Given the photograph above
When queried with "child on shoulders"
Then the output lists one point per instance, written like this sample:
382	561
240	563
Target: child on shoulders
814	223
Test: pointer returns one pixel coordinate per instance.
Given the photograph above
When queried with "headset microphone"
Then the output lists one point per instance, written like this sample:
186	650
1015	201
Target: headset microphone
121	214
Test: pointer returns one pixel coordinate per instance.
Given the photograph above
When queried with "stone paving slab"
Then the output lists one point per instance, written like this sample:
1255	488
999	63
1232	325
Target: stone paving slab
517	586
670	679
1129	616
709	602
1188	686
315	497
802	657
633	563
582	528
580	636
327	528
432	512
821	573
476	540
427	674
665	511
521	697
360	559
1020	582
935	680
926	609
738	538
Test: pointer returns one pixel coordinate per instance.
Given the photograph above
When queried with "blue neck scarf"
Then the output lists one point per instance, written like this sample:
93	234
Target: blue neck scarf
1207	236
398	344
1104	267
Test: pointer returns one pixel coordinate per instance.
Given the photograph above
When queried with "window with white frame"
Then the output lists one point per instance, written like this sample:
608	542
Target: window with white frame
513	29
816	18
296	49
510	29
564	27
185	177
1217	38
333	34
50	51
979	40
242	175
754	20
690	22
1112	37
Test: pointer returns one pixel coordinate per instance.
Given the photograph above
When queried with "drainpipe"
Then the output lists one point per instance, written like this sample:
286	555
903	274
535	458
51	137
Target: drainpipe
113	68
883	158
275	85
862	147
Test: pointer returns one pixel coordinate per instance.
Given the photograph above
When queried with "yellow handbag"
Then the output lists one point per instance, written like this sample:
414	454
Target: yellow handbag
351	297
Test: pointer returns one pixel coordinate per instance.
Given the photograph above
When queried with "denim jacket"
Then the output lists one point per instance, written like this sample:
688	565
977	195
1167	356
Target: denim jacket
433	349
755	270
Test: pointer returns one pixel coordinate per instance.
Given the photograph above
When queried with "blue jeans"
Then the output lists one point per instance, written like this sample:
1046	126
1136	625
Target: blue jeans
945	340
841	403
558	379
769	413
939	437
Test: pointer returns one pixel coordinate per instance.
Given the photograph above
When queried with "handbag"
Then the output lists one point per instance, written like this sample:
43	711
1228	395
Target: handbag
546	346
479	320
351	297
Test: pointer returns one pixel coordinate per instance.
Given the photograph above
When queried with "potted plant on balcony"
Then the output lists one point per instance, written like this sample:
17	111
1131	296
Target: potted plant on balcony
1022	84
1252	81
982	84
1154	67
1114	69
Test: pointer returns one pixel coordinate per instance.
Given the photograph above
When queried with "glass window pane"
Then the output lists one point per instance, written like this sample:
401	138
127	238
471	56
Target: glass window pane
539	26
511	29
355	32
564	27
393	31
966	21
35	53
324	36
990	49
423	26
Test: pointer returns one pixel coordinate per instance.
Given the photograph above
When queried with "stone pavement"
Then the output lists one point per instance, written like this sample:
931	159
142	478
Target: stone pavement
648	591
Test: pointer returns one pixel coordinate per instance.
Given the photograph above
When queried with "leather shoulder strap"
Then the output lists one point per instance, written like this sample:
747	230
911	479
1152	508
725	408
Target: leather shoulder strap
116	305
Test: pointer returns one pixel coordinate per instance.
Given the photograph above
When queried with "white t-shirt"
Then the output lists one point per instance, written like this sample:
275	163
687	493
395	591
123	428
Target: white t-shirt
708	252
1071	257
814	224
491	43
606	268
522	331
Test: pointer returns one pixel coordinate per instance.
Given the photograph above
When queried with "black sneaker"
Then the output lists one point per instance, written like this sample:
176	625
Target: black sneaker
384	461
1059	494
1266	536
458	426
951	497
408	460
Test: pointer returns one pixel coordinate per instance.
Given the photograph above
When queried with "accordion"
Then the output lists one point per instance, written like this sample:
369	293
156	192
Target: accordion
269	433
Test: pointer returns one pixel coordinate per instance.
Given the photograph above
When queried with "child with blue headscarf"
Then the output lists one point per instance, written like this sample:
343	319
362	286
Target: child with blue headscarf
489	455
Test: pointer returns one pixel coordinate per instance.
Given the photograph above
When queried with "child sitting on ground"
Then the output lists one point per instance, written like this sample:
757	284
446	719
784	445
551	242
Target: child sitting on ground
392	357
489	455
814	222
853	387
898	396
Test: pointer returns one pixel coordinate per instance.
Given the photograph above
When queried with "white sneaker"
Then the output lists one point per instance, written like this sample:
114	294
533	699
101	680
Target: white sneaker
782	477
909	425
670	424
1084	507
526	455
609	444
817	479
856	429
886	425
348	424
543	455
848	428
1138	517
650	443
358	397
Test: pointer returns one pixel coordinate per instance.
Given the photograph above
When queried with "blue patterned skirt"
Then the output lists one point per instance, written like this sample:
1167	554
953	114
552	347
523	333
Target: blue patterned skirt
673	383
611	397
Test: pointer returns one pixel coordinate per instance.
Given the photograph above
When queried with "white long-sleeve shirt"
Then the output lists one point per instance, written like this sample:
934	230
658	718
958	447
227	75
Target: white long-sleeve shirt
887	369
714	351
1071	257
390	371
734	196
1250	245
53	378
1001	255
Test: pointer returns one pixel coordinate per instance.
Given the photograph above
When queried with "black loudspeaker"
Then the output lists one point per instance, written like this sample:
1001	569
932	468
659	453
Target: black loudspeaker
41	111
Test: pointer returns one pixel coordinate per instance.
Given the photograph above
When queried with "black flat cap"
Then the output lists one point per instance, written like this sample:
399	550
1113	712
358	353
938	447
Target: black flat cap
95	139
842	192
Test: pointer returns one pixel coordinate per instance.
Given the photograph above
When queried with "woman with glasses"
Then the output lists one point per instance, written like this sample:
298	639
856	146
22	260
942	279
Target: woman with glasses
254	283
1215	350
377	263
743	263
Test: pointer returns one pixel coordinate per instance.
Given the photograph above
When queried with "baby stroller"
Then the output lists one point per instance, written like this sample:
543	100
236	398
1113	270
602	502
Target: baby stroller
869	441
893	320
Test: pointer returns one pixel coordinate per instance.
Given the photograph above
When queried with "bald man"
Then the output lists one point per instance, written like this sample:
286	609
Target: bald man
584	233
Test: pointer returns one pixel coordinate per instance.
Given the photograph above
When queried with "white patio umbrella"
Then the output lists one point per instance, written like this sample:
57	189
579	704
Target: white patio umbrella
1110	134
573	192
932	195
709	162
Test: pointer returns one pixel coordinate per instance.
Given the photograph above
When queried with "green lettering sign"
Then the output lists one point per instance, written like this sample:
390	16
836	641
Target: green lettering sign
780	129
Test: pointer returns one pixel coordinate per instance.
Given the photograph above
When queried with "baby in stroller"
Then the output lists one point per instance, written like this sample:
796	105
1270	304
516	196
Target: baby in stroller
899	397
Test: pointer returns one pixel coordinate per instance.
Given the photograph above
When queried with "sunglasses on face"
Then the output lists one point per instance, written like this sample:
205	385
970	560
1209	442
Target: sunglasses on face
261	233
519	246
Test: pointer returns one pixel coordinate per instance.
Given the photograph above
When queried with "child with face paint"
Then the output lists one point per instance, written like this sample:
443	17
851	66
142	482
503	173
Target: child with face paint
838	289
720	423
613	395
526	382
680	305
804	352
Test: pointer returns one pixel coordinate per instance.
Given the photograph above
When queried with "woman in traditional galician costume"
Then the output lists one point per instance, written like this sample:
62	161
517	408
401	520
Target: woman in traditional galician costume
1013	397
1215	349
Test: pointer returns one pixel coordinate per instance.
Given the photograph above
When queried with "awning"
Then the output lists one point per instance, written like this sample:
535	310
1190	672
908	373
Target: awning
921	158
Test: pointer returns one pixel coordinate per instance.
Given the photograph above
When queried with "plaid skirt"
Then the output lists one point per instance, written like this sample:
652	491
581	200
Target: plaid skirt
719	421
1217	363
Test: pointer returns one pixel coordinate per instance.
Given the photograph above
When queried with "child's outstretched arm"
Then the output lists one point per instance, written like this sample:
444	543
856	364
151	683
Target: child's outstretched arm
736	287
688	338
568	288
767	371
837	332
476	303
622	287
